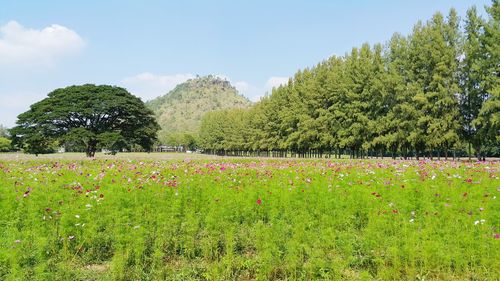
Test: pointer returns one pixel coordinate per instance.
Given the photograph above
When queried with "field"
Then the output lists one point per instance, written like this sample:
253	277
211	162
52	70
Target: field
115	218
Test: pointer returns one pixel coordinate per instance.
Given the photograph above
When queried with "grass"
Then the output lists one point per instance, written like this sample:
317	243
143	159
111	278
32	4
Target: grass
123	218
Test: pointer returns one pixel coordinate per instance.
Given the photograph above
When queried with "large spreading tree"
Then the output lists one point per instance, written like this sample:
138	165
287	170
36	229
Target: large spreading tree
86	117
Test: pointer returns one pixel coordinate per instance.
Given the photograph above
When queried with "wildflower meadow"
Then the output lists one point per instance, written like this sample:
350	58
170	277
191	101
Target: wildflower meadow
249	219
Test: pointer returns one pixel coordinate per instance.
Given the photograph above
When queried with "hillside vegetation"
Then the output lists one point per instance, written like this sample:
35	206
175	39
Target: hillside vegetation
179	112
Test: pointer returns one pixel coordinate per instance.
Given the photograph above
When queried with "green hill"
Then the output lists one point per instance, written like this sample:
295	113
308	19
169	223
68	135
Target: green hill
179	112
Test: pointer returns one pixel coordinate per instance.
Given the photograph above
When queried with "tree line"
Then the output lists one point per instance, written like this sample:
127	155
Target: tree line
432	93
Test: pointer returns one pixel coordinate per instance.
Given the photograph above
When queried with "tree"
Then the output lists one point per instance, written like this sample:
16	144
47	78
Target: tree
185	140
489	114
431	91
4	144
471	74
434	67
87	115
4	132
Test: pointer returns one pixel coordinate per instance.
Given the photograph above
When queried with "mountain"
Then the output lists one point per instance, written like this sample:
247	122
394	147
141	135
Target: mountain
179	112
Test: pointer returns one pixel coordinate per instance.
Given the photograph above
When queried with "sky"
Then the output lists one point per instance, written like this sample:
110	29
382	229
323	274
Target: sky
150	46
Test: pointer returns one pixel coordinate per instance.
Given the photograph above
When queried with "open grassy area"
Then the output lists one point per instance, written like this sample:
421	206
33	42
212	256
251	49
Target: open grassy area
151	217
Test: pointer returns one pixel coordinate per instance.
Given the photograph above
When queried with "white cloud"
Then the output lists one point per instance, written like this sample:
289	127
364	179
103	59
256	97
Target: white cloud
275	82
22	46
14	103
149	86
248	90
255	93
242	86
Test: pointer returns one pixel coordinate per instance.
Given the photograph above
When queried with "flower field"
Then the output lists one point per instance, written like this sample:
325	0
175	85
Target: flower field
249	219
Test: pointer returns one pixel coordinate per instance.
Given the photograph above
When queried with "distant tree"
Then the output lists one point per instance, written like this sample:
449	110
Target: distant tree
4	132
187	141
88	115
5	144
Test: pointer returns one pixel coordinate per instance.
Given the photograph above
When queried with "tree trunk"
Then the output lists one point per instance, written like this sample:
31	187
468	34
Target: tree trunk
470	151
91	148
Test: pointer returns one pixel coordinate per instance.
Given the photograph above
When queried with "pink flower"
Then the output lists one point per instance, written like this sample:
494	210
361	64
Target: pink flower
259	201
496	236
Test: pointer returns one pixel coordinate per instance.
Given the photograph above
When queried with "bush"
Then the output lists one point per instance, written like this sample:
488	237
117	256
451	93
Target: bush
5	144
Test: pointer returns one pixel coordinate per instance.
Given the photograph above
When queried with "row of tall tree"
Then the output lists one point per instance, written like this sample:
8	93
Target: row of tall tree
431	93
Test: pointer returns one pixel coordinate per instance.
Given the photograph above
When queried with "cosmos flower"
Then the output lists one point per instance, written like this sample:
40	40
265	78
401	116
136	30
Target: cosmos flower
482	221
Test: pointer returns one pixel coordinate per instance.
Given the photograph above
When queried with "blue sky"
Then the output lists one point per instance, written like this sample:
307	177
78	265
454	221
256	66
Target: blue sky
150	46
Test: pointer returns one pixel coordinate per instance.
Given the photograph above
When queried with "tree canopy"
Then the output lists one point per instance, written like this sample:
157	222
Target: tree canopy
86	117
428	93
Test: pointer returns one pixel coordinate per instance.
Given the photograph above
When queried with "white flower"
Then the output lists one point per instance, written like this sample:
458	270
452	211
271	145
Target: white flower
412	220
77	216
71	237
482	221
88	206
137	226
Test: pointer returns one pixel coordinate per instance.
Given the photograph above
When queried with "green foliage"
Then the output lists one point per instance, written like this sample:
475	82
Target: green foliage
112	219
36	143
86	116
112	141
180	111
185	140
425	94
5	144
489	115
